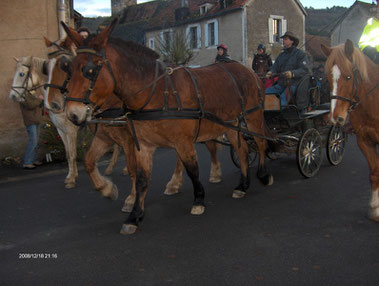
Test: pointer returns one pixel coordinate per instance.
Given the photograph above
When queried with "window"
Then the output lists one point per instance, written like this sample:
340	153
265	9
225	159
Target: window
203	9
211	33
193	33
166	40
277	27
151	44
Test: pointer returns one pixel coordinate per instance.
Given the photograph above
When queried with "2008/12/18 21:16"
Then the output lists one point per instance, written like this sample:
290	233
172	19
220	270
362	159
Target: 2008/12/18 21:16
37	255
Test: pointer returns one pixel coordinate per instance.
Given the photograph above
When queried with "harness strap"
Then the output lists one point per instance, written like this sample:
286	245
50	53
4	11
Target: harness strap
199	98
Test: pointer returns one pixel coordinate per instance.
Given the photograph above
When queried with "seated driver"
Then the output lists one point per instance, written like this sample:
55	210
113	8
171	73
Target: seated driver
292	65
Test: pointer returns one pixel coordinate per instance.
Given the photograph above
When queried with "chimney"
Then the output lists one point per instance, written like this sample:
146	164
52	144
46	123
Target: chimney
119	5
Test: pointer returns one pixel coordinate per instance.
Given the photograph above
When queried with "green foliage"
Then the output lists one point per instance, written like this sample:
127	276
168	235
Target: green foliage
54	144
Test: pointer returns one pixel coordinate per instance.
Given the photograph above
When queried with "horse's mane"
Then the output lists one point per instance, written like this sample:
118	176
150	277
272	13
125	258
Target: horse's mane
141	57
338	56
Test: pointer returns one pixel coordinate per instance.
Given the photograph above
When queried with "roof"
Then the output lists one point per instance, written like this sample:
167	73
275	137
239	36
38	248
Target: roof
313	46
161	14
356	4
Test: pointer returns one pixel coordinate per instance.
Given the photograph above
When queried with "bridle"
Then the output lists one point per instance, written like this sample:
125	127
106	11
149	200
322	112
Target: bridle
24	86
91	71
355	100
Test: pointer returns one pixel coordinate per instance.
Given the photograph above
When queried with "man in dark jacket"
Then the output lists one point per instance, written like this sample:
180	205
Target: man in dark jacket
292	65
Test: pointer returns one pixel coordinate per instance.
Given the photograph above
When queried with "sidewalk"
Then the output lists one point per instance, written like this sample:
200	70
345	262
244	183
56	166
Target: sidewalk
15	173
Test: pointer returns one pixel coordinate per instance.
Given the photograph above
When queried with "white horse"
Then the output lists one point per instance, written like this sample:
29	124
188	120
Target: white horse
31	75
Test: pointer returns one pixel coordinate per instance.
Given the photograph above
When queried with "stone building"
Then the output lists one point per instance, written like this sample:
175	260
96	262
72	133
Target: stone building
22	25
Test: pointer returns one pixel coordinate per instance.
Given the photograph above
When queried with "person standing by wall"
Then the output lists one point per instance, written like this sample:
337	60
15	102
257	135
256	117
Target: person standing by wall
31	110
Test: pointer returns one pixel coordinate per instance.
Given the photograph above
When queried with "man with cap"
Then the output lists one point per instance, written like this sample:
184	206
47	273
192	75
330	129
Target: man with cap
291	64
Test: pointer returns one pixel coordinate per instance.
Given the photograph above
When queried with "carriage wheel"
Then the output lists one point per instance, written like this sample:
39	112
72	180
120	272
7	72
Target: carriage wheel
335	147
309	153
236	161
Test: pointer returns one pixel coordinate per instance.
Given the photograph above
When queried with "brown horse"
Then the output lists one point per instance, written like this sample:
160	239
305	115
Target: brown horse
354	82
178	107
107	136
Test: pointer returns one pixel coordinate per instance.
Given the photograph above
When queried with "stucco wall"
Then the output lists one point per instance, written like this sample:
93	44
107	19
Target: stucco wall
22	25
351	26
258	13
229	33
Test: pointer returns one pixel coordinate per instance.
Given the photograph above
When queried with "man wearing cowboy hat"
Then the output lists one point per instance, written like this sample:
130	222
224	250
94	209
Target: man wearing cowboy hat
291	64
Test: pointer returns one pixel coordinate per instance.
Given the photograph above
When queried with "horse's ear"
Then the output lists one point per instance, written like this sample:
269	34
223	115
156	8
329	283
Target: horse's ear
101	40
16	59
48	43
326	50
349	49
73	35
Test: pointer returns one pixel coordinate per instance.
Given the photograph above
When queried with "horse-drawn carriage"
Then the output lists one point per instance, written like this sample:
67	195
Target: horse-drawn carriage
301	128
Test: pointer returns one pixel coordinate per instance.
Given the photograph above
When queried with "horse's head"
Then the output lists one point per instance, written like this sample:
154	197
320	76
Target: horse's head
59	71
345	68
25	80
92	78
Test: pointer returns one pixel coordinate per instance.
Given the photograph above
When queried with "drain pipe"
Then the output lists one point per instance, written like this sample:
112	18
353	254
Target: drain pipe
62	8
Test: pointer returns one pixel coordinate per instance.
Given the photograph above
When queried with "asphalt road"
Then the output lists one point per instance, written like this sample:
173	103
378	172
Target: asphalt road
295	232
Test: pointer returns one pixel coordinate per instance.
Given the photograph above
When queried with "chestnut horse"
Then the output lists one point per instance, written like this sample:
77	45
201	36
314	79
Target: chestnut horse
171	108
354	82
107	135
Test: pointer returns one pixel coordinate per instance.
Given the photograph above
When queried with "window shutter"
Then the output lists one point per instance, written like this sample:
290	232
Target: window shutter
206	27
198	29
284	27
270	31
216	32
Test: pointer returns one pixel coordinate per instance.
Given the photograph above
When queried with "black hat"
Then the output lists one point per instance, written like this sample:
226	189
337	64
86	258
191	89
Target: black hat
292	37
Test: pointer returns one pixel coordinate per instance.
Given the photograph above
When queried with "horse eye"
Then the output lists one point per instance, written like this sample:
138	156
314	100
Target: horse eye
22	74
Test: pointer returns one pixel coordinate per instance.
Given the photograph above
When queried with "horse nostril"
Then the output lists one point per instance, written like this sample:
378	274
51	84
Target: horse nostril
74	118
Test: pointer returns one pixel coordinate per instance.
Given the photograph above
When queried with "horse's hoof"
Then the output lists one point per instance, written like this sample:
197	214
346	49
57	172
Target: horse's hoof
197	210
270	180
127	208
128	229
171	191
374	215
215	180
238	194
70	185
114	193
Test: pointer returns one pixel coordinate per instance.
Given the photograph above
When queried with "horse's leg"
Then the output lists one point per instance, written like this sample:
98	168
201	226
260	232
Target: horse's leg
69	136
258	126
187	153
176	181
144	164
96	151
242	153
130	159
113	161
215	173
369	151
